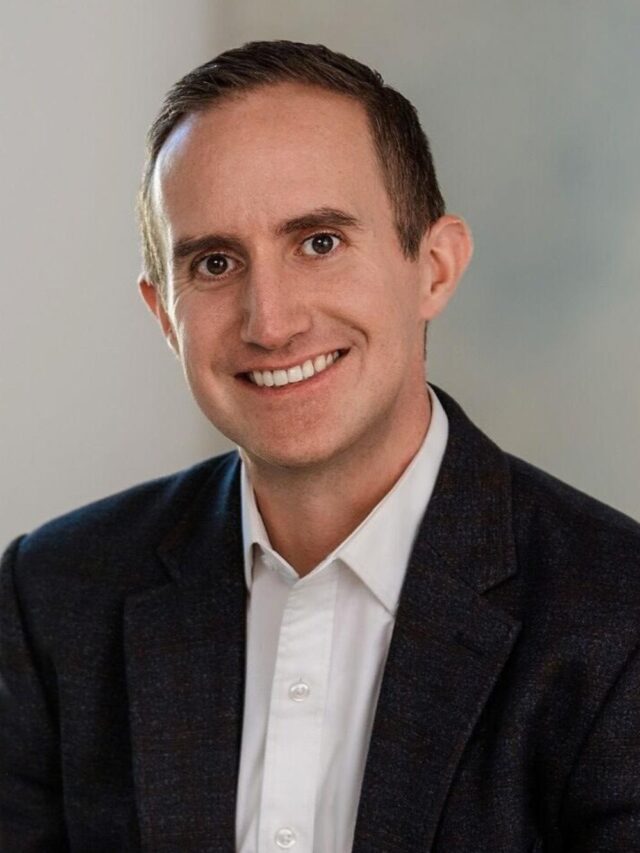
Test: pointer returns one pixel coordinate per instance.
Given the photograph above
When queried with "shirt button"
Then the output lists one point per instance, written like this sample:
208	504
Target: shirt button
285	838
299	691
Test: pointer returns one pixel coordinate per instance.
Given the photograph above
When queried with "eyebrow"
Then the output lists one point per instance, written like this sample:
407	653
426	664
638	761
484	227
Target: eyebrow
321	217
187	246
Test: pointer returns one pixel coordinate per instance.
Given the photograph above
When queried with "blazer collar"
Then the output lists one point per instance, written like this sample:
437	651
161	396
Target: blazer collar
468	523
209	525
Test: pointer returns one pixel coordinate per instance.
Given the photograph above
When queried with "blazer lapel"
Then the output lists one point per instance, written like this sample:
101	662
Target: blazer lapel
448	647
185	659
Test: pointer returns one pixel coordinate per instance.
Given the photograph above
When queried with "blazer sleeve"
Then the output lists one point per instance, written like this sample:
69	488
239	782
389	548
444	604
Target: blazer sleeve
31	806
602	804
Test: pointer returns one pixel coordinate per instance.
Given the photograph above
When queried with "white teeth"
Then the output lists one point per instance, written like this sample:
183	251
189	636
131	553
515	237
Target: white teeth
298	373
294	374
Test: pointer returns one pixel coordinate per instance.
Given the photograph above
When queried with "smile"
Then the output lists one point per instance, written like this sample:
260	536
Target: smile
297	373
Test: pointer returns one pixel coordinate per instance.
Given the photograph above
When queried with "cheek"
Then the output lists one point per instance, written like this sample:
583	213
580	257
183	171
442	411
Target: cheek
391	306
201	323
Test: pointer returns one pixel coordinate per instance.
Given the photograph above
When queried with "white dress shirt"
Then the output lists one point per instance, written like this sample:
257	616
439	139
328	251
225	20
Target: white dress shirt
316	650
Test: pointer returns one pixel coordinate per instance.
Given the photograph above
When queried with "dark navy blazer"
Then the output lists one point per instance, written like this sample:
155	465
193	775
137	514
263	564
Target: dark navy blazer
509	714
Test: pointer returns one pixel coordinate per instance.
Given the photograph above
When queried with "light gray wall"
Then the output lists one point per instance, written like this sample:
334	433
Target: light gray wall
533	116
91	398
532	110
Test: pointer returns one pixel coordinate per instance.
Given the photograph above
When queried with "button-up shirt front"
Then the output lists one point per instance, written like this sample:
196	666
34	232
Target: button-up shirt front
316	649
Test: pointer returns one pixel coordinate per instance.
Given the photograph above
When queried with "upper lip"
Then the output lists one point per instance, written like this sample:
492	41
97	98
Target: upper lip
300	360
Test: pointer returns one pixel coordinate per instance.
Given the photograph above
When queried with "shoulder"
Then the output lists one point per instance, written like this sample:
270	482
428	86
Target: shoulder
556	506
575	550
120	530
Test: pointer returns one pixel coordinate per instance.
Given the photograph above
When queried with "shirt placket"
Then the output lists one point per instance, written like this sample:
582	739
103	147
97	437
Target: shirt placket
296	714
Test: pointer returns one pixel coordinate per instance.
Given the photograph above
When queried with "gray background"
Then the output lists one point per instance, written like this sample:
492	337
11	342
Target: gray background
532	111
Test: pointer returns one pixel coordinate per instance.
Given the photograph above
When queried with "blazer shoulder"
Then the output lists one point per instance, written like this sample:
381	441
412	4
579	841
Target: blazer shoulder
565	507
576	549
123	526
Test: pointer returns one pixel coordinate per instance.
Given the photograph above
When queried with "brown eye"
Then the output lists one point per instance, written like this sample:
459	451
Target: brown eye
320	244
216	264
213	266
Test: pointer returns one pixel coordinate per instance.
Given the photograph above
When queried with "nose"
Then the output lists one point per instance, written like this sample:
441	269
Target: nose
274	309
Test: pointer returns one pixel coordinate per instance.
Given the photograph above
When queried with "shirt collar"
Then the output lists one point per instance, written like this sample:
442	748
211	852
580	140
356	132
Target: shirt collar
378	550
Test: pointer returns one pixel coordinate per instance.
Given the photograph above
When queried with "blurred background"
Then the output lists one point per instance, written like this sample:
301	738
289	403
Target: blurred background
532	113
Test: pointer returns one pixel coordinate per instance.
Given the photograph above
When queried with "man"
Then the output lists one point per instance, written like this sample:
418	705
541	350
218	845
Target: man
371	630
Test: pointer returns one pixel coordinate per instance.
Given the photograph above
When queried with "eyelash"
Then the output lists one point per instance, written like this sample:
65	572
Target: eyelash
197	261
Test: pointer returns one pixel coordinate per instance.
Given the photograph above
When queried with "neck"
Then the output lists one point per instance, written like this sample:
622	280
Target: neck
308	512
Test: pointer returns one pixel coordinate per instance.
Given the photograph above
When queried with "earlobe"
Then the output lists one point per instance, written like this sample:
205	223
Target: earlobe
154	302
445	252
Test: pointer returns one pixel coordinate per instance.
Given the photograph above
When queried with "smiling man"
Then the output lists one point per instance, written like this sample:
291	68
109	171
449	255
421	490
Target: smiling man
292	305
370	629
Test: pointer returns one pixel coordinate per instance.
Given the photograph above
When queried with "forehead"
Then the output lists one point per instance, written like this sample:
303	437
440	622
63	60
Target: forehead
270	153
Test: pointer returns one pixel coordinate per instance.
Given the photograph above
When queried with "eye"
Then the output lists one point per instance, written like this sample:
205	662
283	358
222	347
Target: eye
320	244
215	265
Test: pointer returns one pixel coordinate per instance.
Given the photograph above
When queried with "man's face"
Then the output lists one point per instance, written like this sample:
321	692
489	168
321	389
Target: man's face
281	252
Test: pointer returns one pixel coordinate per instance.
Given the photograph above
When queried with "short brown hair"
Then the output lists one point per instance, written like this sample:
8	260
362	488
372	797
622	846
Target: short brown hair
401	145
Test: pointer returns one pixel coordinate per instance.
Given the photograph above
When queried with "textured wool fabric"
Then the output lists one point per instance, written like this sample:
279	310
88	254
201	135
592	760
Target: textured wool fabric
509	713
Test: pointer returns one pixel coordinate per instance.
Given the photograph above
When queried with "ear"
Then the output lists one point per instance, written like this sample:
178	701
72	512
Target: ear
155	303
445	252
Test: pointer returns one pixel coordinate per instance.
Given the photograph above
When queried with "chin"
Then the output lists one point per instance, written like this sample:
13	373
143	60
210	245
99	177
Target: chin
288	455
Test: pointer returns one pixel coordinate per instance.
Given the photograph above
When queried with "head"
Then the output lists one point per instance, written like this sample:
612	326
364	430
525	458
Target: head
291	215
402	149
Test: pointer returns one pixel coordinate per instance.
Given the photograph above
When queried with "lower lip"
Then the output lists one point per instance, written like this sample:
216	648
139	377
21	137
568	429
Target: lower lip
292	387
